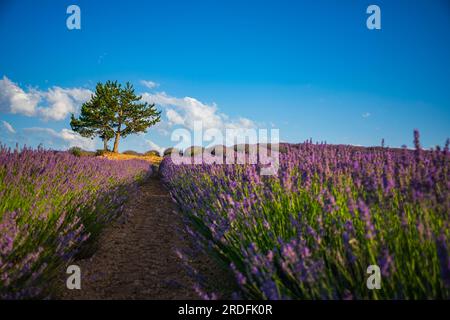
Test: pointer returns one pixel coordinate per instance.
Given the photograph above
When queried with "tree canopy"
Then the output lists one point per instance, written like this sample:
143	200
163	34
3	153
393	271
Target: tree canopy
114	112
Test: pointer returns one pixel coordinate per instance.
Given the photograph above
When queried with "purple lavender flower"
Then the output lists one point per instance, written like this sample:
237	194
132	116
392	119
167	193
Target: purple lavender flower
444	258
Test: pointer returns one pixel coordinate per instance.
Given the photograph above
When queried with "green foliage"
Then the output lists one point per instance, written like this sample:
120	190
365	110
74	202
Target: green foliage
76	151
100	152
114	112
97	114
152	153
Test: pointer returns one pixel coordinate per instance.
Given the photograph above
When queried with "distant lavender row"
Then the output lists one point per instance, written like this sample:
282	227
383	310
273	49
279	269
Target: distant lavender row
312	231
51	204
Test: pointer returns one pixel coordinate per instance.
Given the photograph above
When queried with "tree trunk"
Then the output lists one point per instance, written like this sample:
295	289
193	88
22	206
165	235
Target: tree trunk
105	144
116	142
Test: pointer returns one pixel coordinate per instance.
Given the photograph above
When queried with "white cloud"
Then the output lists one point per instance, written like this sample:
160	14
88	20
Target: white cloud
149	84
366	115
15	100
63	139
8	127
174	117
62	102
56	103
185	111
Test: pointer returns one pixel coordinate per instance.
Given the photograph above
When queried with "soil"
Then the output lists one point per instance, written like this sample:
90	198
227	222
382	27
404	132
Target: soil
137	259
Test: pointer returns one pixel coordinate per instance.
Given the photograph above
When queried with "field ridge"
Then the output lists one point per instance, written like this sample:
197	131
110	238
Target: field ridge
137	258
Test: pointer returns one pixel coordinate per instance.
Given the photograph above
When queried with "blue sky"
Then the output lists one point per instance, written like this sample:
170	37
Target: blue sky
308	68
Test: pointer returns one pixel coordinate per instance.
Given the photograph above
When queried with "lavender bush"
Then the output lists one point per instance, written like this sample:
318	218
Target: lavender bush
312	231
51	204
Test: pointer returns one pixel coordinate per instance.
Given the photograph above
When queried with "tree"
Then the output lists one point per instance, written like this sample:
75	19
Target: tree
114	112
97	114
133	116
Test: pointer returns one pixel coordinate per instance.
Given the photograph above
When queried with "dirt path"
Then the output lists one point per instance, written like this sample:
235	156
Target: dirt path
137	259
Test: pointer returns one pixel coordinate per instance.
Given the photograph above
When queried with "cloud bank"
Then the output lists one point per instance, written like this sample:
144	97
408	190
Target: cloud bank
56	103
185	111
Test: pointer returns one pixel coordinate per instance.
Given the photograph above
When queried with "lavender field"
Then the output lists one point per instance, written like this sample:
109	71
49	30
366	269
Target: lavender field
312	231
309	232
53	206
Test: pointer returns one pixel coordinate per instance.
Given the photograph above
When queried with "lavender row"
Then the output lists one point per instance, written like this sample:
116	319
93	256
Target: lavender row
312	231
53	205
